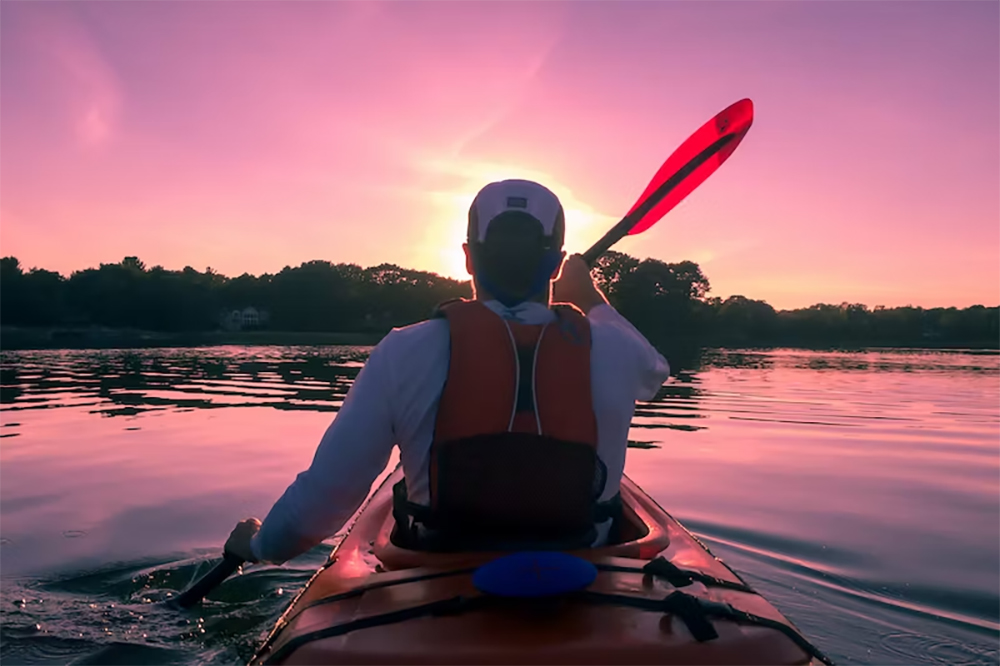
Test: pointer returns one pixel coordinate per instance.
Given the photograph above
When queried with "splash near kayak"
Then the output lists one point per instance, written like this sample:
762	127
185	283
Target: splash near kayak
654	595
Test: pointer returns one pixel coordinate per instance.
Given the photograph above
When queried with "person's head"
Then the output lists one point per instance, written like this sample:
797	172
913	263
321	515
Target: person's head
515	239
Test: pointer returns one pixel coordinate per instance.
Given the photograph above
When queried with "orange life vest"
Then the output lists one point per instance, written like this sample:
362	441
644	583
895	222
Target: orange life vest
514	457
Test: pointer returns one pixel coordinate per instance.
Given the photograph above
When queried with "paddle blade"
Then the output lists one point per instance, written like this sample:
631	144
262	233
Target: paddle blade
220	572
729	126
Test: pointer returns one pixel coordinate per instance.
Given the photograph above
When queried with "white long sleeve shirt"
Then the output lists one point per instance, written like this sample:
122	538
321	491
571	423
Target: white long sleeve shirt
394	401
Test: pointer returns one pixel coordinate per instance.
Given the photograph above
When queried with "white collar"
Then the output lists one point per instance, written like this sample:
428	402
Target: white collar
528	312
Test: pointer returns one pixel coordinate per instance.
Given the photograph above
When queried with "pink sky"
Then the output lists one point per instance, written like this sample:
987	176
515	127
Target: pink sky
251	136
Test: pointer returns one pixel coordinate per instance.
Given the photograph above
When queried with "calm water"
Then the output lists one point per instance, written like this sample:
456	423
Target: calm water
857	491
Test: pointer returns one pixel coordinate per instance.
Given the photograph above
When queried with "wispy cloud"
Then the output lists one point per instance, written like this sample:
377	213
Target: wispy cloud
71	60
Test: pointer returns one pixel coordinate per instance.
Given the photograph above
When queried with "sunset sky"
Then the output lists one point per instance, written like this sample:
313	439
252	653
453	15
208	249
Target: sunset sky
251	136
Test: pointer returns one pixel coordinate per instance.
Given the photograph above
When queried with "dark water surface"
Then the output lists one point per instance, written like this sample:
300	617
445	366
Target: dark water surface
859	492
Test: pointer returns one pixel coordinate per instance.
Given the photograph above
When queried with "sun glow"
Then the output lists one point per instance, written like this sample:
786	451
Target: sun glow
450	208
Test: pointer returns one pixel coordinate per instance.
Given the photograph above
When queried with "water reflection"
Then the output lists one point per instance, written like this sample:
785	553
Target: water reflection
675	406
129	382
858	491
115	383
869	360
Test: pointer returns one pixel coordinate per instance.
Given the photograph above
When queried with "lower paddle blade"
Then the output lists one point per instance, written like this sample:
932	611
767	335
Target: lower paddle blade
694	161
220	572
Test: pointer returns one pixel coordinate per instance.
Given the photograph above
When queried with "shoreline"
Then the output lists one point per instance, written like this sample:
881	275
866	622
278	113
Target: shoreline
24	339
52	338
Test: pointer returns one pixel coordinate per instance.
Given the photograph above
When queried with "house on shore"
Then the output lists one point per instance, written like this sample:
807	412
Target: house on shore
246	319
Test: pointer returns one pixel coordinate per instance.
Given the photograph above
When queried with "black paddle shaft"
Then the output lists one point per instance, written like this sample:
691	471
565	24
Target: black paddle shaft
621	229
209	581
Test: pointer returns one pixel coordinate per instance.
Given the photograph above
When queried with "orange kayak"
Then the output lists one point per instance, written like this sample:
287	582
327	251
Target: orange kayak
659	597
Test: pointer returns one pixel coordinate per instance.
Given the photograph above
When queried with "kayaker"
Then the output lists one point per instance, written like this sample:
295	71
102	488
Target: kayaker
511	414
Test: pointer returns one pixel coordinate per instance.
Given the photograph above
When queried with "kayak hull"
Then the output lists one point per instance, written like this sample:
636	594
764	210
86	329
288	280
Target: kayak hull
377	603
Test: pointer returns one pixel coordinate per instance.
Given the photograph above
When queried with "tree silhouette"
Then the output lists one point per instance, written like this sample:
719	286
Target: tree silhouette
668	302
610	268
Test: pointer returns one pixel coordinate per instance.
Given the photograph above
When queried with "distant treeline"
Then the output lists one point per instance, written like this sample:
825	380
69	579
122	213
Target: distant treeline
667	302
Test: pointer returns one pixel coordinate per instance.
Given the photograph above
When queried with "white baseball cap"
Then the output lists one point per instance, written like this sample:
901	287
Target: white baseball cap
517	196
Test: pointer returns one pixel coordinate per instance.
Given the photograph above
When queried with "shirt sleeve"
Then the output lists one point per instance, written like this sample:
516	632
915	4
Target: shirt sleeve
354	450
651	368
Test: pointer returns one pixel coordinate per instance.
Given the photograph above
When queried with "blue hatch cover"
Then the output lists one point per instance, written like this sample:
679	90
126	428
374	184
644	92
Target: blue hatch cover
534	574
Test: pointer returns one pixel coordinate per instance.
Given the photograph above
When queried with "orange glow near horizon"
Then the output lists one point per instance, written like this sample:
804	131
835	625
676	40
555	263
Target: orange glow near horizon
252	137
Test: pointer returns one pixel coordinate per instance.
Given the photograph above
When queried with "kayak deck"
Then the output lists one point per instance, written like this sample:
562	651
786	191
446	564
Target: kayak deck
655	592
